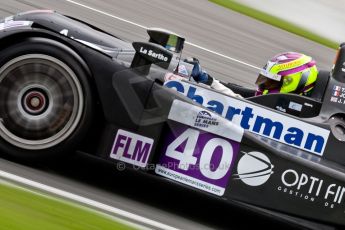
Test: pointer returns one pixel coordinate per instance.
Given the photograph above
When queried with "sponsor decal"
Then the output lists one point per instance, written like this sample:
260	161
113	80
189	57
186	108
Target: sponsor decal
295	106
257	119
195	116
311	188
196	158
131	148
205	119
338	95
254	168
289	65
334	99
151	53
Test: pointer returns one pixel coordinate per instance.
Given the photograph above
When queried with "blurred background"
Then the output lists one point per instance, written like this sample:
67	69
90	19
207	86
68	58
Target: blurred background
232	40
322	17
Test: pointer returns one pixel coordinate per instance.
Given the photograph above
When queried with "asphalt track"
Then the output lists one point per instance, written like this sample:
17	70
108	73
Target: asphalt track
230	47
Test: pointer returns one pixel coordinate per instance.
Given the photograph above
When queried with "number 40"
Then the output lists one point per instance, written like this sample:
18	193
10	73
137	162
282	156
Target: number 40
186	158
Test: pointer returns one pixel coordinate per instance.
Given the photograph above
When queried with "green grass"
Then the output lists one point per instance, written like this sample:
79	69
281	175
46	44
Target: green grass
27	210
274	21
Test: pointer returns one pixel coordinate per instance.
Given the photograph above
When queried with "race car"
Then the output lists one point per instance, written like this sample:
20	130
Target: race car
68	86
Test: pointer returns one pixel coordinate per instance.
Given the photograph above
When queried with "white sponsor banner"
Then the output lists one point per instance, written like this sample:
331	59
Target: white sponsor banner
200	118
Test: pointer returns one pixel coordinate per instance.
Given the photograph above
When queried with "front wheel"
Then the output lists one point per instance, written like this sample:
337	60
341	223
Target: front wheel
45	100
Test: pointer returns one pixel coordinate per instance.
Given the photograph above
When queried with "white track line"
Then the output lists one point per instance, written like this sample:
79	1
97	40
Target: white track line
91	203
144	27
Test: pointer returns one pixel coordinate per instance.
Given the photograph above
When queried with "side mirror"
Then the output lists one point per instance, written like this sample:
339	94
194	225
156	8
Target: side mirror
167	39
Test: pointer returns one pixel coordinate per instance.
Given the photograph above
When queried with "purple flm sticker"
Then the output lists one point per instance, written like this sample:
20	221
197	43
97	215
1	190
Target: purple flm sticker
131	148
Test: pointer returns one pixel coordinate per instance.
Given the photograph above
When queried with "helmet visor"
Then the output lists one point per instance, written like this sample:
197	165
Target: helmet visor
265	83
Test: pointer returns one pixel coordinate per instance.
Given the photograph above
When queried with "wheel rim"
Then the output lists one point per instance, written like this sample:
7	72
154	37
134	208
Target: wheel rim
41	101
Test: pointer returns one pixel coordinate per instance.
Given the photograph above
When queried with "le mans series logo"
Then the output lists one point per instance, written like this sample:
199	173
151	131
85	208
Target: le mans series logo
204	119
255	169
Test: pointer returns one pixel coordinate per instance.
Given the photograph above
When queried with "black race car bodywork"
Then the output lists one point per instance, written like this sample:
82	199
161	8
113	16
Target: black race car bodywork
67	85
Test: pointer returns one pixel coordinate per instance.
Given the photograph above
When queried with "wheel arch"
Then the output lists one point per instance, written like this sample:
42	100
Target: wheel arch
47	38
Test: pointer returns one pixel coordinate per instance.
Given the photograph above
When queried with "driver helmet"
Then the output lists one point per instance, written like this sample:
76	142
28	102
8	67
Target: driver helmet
287	73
